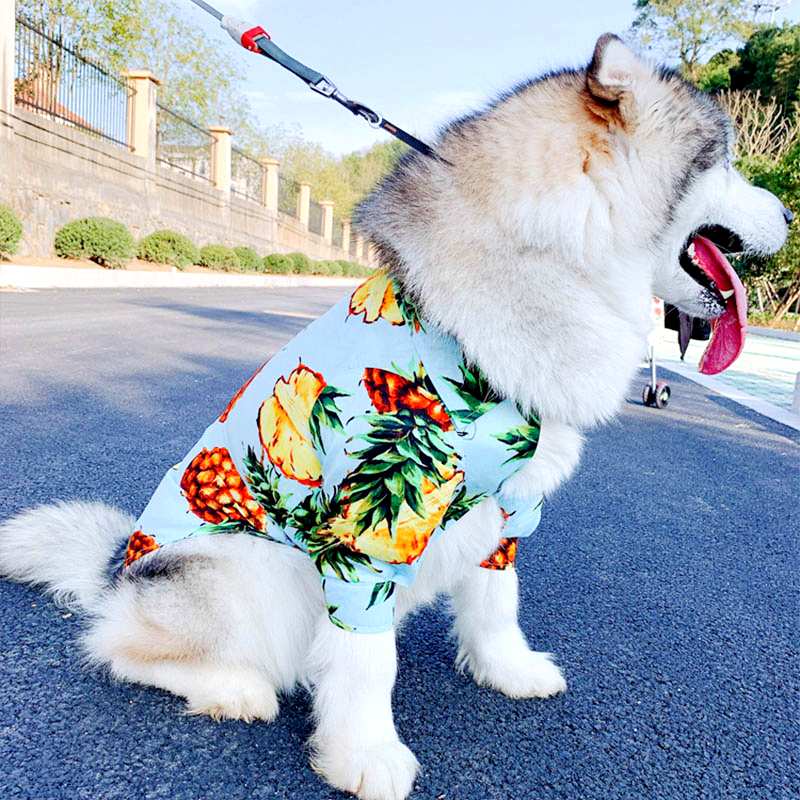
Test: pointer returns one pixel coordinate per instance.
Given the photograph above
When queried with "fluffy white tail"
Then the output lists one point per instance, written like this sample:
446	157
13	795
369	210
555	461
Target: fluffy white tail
66	547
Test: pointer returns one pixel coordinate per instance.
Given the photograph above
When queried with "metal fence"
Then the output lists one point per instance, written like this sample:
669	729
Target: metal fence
315	217
352	246
247	175
338	230
182	145
288	192
54	80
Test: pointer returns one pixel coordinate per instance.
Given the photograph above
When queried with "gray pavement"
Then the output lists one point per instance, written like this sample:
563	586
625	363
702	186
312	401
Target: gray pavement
664	577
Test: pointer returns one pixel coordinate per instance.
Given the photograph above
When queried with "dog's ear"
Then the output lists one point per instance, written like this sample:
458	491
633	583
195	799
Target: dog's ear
613	68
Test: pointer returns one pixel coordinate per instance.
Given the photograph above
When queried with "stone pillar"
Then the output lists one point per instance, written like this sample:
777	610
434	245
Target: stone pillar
346	236
142	113
304	204
7	31
327	220
359	248
269	184
221	158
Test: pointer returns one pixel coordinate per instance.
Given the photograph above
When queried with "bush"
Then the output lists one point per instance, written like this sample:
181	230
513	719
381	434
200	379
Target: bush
301	263
10	231
99	239
217	256
278	264
168	247
248	258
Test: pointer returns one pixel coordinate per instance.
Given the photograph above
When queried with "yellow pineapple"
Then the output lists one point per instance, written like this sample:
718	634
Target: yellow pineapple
139	544
412	532
284	425
217	493
375	299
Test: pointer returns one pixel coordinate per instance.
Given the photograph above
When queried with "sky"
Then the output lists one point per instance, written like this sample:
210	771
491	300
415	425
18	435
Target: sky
418	63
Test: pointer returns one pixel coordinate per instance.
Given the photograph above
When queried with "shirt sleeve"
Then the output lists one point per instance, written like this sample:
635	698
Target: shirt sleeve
362	606
522	516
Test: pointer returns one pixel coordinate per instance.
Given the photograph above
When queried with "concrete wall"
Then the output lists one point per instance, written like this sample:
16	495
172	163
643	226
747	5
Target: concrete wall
52	172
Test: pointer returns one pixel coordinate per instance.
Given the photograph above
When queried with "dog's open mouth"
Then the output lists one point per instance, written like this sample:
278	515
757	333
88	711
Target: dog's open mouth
703	259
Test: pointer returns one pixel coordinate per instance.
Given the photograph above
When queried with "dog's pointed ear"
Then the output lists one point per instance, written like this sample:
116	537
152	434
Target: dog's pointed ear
613	68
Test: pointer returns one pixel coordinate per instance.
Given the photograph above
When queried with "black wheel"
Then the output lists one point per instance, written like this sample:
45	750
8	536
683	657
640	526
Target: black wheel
647	395
662	395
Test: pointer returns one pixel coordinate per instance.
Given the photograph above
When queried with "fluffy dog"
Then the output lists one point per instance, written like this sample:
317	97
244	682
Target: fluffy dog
564	207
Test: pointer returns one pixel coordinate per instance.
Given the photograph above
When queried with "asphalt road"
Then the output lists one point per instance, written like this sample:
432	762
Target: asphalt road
664	576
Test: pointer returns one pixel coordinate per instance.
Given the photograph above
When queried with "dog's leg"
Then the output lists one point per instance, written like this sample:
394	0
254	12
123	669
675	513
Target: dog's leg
490	643
355	745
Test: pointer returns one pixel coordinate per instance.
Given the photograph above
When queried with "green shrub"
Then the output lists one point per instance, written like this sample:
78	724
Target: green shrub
248	259
278	264
217	256
301	263
10	231
168	247
99	239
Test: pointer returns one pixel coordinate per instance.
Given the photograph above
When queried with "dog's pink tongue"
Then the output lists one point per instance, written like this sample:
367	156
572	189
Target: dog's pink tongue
728	330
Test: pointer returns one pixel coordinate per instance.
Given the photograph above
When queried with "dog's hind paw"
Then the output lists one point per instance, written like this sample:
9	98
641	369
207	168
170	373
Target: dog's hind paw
524	674
243	702
381	772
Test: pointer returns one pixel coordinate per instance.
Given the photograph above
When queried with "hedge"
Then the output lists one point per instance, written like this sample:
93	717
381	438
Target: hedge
102	240
217	256
10	231
301	263
248	258
168	247
278	264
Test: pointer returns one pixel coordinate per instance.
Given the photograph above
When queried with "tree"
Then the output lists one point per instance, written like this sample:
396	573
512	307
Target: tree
692	29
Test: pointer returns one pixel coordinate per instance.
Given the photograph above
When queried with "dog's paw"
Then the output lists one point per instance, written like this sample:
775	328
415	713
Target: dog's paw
242	701
381	772
526	673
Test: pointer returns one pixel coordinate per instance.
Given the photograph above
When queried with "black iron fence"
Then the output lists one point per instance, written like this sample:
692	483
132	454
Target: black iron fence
338	230
288	192
182	145
315	217
54	80
247	175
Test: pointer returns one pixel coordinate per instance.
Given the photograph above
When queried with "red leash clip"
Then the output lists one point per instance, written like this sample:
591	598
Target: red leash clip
249	38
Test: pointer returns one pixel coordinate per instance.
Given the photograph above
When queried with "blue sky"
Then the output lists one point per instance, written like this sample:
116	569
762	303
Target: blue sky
416	62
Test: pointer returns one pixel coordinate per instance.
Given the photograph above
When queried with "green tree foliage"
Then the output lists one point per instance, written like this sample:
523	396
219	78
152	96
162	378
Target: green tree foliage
769	62
715	74
692	29
10	231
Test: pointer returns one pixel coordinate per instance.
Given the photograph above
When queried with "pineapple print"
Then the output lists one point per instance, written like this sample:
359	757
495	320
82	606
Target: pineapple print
475	391
377	298
217	493
521	440
503	557
290	423
398	495
139	544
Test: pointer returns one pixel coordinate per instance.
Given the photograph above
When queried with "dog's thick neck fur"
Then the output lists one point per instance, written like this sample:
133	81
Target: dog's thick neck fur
549	201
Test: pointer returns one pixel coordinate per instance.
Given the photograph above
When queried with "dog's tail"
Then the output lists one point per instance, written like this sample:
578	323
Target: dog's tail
67	547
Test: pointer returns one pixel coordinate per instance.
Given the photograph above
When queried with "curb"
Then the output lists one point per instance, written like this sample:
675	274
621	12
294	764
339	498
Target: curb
16	276
774	333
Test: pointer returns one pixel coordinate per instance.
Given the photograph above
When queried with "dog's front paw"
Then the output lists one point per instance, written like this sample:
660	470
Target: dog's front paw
380	772
525	673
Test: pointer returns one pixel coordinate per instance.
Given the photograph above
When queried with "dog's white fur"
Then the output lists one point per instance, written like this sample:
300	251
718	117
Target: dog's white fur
555	274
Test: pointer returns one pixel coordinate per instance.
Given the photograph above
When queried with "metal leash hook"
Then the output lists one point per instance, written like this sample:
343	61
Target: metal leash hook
255	39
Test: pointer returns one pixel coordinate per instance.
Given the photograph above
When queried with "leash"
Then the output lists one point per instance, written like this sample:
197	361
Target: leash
257	40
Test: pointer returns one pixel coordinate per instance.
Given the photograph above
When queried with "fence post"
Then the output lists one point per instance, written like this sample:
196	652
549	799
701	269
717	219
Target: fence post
269	184
346	236
221	158
8	27
359	247
142	113
327	220
304	204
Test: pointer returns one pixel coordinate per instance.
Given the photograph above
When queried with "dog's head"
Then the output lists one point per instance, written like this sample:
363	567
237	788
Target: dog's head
711	208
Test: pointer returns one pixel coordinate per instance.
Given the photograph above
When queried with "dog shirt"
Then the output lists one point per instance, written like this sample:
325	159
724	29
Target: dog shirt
359	441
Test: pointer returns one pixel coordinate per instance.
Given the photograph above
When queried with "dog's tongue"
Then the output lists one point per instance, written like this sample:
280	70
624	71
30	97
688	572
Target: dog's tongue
728	330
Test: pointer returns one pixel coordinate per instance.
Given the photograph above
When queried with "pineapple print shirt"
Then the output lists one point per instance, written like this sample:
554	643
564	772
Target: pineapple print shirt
358	442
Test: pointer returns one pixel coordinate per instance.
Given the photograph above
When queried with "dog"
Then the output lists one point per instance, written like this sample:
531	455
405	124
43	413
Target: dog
535	241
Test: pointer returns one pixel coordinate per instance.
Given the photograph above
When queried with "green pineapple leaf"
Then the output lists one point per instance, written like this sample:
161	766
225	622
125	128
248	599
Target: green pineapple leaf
521	441
460	504
475	391
381	592
263	483
325	413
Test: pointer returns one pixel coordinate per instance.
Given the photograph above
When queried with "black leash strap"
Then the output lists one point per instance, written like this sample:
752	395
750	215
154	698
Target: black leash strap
257	40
